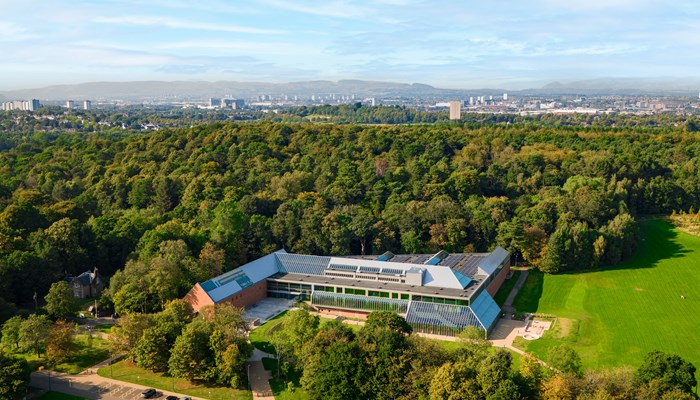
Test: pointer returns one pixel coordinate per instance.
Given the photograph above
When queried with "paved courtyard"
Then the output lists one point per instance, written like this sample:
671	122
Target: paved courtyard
267	308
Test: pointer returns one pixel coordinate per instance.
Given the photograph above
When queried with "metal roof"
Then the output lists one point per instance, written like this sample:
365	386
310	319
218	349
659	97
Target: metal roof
490	263
485	309
455	275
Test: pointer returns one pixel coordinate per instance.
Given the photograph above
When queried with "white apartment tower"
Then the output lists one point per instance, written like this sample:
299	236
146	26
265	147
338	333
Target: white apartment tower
455	110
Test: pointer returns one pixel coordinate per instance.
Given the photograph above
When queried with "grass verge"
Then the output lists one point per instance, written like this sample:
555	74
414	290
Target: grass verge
507	286
60	396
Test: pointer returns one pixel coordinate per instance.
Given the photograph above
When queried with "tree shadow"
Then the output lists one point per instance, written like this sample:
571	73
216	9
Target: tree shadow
657	242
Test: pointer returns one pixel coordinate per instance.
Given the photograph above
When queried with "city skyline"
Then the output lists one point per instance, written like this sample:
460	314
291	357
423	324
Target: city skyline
509	45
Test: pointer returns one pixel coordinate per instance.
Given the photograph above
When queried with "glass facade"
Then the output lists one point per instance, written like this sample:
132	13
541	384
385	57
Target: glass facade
362	303
441	319
441	300
426	314
288	290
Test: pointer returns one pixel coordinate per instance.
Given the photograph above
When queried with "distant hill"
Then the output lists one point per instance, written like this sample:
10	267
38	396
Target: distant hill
135	92
626	86
146	90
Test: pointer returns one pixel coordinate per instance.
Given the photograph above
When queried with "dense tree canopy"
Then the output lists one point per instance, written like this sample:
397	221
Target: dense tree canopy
14	377
178	206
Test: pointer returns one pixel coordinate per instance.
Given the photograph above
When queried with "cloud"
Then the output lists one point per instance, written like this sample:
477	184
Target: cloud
10	32
257	47
334	9
144	20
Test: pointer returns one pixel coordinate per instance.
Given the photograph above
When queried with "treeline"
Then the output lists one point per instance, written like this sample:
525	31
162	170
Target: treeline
178	206
383	360
363	114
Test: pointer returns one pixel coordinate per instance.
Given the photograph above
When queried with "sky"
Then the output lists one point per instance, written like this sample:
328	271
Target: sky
450	44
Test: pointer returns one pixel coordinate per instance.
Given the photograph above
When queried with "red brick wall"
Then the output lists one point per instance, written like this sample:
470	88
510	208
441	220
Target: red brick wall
498	280
249	296
198	298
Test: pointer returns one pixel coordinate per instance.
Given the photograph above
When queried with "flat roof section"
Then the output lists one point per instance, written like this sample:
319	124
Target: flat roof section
380	285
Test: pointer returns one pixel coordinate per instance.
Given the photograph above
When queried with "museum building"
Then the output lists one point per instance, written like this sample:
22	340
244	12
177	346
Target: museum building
438	294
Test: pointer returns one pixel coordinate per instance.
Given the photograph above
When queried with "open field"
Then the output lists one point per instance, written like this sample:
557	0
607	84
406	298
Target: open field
615	315
128	372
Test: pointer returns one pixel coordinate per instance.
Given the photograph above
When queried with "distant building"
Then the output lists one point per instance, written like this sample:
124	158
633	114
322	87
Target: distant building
22	105
455	110
505	96
438	293
70	104
236	104
214	102
86	285
87	105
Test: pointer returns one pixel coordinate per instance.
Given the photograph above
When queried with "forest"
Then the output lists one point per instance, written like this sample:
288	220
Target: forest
157	212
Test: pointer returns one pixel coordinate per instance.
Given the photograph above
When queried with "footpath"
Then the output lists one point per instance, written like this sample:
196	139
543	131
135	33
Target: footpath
258	377
507	328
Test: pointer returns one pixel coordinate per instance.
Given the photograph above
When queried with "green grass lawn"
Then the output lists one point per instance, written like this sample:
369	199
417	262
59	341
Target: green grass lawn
85	356
616	315
60	396
507	286
260	336
128	372
104	328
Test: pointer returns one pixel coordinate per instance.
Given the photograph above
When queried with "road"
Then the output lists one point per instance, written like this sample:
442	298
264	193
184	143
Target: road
91	386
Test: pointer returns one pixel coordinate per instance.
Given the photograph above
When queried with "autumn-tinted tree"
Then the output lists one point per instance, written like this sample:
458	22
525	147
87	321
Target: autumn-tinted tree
60	343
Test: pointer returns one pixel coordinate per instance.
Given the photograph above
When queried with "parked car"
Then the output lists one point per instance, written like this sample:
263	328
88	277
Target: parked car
185	398
171	398
148	393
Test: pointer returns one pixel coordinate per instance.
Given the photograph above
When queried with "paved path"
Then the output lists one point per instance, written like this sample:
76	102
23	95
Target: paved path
508	329
508	305
258	377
